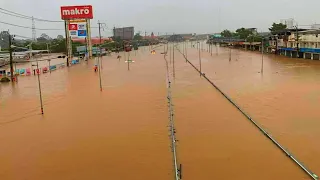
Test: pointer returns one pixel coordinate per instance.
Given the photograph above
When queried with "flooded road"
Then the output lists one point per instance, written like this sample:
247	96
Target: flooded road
283	100
121	132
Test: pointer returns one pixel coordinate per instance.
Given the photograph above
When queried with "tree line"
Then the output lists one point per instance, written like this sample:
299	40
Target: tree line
249	34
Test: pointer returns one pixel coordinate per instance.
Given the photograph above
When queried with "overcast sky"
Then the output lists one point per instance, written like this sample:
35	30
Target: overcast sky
165	16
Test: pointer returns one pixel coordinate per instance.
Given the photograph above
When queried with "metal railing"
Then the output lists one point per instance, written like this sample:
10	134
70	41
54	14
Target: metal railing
177	167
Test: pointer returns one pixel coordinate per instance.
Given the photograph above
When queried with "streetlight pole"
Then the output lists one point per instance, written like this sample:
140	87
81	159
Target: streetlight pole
262	56
174	70
200	60
39	85
217	49
49	59
170	54
11	58
186	51
297	40
229	49
99	57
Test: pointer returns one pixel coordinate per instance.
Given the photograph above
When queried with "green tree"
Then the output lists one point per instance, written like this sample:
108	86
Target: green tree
60	37
58	45
44	38
137	36
226	33
243	33
277	27
4	39
254	38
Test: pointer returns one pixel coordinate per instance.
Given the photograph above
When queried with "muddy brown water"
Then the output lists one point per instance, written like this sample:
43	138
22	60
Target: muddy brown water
121	132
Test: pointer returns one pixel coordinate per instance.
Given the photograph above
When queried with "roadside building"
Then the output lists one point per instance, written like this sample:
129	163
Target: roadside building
298	43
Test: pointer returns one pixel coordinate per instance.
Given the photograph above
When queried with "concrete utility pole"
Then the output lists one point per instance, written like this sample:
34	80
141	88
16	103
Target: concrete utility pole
200	60
262	55
100	55
49	59
174	70
297	40
229	49
39	84
67	41
11	58
186	50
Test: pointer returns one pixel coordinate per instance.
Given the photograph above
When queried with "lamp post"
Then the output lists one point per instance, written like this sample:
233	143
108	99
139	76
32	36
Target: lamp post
174	70
262	40
229	49
297	39
49	59
200	59
11	58
39	85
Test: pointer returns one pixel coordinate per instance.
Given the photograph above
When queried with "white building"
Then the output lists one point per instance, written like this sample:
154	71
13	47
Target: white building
288	22
315	26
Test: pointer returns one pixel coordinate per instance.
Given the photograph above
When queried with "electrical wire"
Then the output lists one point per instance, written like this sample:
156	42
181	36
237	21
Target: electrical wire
25	16
26	27
15	35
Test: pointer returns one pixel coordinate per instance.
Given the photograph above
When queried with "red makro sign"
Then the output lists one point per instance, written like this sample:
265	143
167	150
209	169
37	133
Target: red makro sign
76	12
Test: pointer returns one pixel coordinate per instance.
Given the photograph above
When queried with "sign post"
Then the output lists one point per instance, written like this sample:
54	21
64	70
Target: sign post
77	24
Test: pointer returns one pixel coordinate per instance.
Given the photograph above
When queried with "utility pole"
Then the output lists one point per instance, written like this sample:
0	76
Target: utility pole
217	49
67	42
39	85
200	60
174	70
86	55
11	58
182	47
49	60
186	51
229	49
170	54
128	61
297	41
100	56
38	74
262	56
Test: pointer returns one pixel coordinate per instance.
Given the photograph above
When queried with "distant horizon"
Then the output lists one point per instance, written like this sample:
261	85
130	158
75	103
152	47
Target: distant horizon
179	17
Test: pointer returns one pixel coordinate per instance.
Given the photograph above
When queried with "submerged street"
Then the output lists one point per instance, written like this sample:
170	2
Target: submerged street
122	132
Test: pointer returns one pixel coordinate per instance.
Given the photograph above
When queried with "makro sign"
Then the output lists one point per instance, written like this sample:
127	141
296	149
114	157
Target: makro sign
76	12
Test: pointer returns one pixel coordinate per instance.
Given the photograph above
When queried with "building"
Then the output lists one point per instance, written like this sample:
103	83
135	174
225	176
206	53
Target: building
126	33
315	26
94	41
151	37
288	22
298	43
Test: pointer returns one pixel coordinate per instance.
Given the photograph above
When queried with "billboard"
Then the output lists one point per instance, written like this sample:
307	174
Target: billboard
76	12
125	33
77	28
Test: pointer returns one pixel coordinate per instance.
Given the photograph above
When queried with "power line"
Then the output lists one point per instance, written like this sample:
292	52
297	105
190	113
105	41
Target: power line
26	27
25	16
14	15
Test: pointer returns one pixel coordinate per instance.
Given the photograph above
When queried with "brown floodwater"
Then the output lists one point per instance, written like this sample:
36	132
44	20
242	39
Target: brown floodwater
121	132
